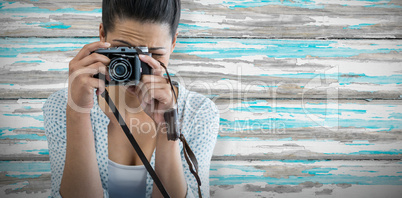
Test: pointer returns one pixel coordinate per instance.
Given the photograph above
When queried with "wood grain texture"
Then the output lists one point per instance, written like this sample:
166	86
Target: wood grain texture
272	178
228	68
309	91
252	130
306	179
206	18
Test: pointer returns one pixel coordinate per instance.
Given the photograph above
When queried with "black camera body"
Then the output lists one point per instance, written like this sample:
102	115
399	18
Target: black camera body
125	67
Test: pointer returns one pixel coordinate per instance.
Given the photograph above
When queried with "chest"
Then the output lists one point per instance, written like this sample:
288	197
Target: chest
120	149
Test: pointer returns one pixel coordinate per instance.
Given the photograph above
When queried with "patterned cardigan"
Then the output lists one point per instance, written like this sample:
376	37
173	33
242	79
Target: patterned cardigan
199	123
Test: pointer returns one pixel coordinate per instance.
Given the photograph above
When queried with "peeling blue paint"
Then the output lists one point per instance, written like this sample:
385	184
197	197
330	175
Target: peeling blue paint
384	5
38	117
267	85
396	115
254	102
7	84
344	78
30	61
40	151
266	47
390	152
43	10
286	139
297	110
391	79
274	124
294	180
228	138
308	4
22	136
41	45
62	69
315	171
366	171
51	25
358	27
24	166
23	176
297	161
356	144
216	167
273	48
186	27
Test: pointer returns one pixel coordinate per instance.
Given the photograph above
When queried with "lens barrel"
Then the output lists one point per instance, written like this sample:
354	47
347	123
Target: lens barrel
120	69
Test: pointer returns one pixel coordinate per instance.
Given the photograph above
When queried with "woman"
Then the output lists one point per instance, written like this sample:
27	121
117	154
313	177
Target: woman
90	155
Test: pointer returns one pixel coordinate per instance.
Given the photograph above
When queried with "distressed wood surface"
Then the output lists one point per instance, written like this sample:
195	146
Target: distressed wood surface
228	68
252	130
303	112
206	18
271	178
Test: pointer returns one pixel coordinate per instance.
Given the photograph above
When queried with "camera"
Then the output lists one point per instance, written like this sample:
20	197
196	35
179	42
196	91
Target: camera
125	67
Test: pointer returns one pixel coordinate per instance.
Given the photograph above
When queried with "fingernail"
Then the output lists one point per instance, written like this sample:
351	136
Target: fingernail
107	44
142	56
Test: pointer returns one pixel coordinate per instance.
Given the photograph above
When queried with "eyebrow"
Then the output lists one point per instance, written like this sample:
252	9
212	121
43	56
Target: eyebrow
129	44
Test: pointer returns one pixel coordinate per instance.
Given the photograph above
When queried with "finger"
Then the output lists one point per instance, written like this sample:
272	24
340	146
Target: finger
100	68
157	69
153	79
93	58
98	84
91	71
89	48
144	87
162	95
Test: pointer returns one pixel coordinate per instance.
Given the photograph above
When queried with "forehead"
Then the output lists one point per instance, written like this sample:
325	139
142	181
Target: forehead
141	34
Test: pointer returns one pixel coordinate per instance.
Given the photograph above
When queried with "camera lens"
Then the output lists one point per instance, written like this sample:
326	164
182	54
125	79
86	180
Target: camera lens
120	69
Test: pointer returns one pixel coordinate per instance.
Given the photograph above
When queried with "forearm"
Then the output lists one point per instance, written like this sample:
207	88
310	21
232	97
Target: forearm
81	174
168	167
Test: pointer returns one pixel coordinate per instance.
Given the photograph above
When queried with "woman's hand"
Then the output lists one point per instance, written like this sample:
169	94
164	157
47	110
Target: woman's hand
154	91
81	81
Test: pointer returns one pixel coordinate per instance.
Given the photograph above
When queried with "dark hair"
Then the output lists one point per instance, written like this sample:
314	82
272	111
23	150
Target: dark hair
145	11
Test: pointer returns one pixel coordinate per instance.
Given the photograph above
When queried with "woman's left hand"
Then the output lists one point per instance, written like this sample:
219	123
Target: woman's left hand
154	91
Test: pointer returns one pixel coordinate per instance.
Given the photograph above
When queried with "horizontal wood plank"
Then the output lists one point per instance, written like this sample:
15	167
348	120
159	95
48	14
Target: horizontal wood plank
241	19
252	130
228	68
306	179
248	179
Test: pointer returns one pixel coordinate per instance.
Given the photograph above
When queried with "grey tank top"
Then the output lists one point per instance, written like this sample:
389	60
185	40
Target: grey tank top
126	181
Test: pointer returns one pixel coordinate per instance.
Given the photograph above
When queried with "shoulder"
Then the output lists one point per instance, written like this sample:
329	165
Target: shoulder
198	114
55	105
193	103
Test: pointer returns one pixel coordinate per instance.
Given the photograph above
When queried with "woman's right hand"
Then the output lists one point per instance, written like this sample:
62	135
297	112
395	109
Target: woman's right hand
81	83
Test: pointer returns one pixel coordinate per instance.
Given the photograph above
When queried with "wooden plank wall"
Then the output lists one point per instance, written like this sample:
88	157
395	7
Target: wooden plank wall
309	91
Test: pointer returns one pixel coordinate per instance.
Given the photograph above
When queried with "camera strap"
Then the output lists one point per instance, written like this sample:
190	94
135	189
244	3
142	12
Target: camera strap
188	153
134	143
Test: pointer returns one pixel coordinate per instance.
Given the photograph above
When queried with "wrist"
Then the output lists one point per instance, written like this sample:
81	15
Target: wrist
71	112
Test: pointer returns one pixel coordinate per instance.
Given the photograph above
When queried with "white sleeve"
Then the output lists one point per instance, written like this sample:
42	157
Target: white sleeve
201	139
54	116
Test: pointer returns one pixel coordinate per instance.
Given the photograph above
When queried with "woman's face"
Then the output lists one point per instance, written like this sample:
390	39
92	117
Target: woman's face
131	33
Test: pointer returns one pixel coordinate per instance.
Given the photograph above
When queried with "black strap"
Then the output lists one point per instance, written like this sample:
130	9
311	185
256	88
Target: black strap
137	148
188	153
